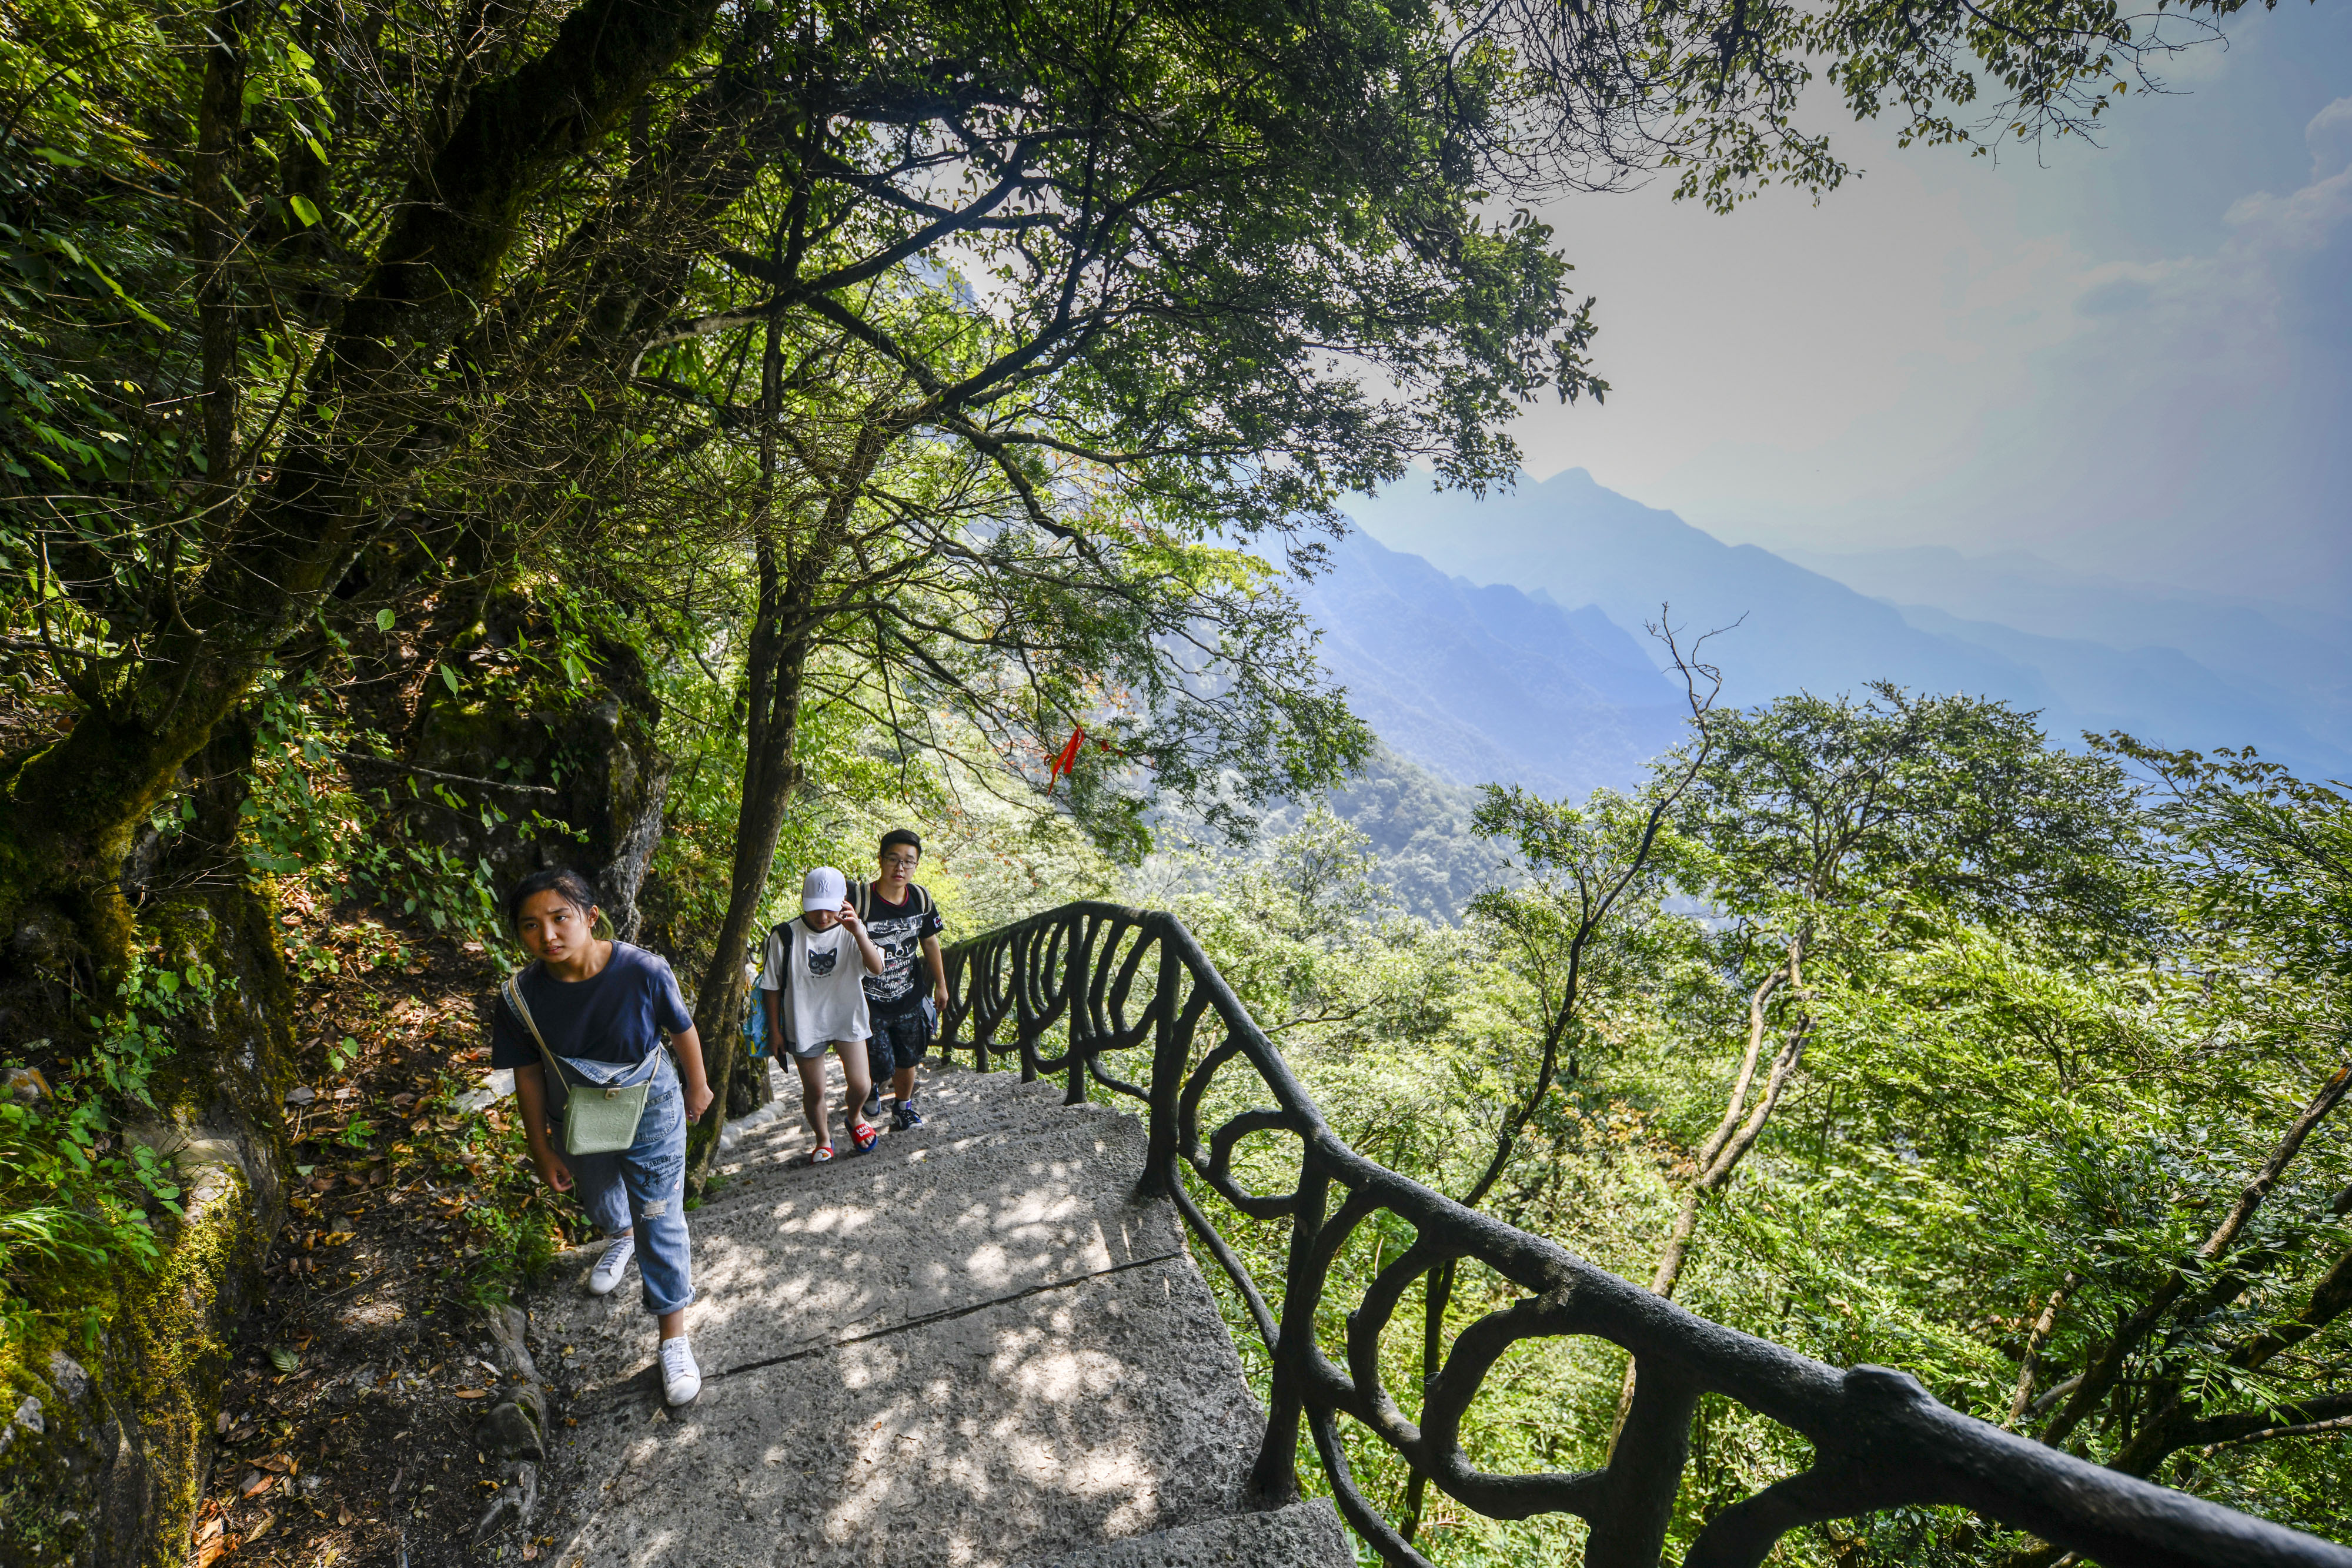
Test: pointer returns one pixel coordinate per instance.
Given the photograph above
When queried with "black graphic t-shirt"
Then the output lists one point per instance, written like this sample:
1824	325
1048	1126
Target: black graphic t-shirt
899	929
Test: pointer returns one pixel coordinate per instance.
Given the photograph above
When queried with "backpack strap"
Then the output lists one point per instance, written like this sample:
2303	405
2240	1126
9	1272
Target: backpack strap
861	895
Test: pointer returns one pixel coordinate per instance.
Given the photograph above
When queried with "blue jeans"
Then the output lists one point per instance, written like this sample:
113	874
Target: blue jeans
643	1187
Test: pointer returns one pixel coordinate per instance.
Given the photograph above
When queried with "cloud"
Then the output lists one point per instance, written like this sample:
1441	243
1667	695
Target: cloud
2310	219
2152	383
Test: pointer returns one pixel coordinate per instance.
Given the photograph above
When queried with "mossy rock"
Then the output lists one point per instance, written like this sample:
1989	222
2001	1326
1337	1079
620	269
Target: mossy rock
108	1471
588	751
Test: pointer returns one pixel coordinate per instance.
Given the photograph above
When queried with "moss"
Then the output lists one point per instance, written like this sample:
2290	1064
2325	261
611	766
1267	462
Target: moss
116	1477
234	1053
173	1348
115	1472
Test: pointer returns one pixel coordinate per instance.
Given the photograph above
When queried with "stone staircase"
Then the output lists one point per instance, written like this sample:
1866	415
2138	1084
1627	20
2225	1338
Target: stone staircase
971	1348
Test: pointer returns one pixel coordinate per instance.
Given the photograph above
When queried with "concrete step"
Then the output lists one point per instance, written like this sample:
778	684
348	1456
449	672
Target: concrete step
958	1125
955	1104
972	1348
801	1256
1304	1535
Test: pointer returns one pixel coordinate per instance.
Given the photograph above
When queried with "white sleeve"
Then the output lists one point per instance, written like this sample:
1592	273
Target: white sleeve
771	965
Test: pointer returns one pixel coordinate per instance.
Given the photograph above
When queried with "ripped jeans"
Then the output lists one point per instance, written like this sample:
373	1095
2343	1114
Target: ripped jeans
644	1187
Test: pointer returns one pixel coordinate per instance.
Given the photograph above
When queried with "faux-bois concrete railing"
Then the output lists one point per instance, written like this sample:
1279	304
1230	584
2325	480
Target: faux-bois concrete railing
1116	979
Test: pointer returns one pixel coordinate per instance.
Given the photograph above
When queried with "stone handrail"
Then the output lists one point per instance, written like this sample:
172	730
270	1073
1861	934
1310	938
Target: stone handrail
1880	1439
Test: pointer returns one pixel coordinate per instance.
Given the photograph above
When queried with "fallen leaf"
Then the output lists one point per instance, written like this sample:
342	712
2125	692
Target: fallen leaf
471	1392
256	1483
283	1359
278	1464
258	1530
342	1513
221	1423
212	1552
209	1529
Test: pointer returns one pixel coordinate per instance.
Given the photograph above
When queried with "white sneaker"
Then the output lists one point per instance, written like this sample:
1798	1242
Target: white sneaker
605	1277
681	1379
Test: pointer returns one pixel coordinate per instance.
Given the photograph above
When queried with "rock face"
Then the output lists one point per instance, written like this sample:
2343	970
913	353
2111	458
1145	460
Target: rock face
103	1461
974	1346
526	772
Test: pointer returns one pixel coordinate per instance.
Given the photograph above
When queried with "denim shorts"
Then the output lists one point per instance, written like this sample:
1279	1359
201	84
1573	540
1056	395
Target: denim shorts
643	1187
898	1043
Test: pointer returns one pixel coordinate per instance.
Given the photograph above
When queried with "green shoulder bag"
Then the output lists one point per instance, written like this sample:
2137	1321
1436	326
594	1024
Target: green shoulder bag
597	1119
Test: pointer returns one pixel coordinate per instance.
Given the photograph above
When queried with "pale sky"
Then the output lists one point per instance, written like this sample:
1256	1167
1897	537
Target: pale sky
2134	360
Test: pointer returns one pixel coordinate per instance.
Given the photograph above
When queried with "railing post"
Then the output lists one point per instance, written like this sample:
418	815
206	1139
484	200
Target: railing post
1170	1054
1646	1471
1273	1479
1077	962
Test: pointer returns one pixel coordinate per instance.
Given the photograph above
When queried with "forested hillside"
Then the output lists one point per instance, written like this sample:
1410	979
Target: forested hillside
675	441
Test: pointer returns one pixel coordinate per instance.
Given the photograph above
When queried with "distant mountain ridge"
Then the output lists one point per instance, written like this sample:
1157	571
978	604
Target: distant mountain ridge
1482	684
1788	629
2285	656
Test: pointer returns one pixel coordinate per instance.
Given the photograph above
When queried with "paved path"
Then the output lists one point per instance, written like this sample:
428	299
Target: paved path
972	1347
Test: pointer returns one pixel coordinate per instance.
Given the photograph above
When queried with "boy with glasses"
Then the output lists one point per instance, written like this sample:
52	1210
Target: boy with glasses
903	998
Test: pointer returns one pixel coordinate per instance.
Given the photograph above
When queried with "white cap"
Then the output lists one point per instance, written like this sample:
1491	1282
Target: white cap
825	888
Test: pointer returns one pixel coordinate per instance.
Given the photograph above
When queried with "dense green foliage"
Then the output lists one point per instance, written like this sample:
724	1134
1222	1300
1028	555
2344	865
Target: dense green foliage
437	441
2066	1151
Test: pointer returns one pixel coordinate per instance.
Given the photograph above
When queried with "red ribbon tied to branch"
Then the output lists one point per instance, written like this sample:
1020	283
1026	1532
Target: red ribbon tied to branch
1068	761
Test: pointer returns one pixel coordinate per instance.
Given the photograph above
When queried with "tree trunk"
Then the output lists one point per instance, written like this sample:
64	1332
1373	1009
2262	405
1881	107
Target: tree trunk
2108	1366
769	775
2027	1363
1720	1156
776	669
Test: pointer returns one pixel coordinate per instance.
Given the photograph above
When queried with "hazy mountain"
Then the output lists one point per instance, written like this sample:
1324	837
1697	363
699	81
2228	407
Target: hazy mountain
1787	629
1799	630
1483	685
2292	660
2142	690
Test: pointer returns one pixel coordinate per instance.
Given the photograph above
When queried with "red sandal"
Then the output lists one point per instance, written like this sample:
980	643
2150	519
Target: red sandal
864	1135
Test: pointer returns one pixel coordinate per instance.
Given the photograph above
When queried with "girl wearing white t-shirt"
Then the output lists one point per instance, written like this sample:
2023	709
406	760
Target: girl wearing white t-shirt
813	985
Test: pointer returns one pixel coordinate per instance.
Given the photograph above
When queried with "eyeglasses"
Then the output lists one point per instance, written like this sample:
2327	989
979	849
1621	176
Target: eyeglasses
908	860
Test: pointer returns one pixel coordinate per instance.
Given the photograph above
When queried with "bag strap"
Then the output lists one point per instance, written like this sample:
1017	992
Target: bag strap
861	894
512	990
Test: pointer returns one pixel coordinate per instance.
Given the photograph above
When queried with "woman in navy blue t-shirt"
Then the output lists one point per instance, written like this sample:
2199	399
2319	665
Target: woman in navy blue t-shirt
606	1004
